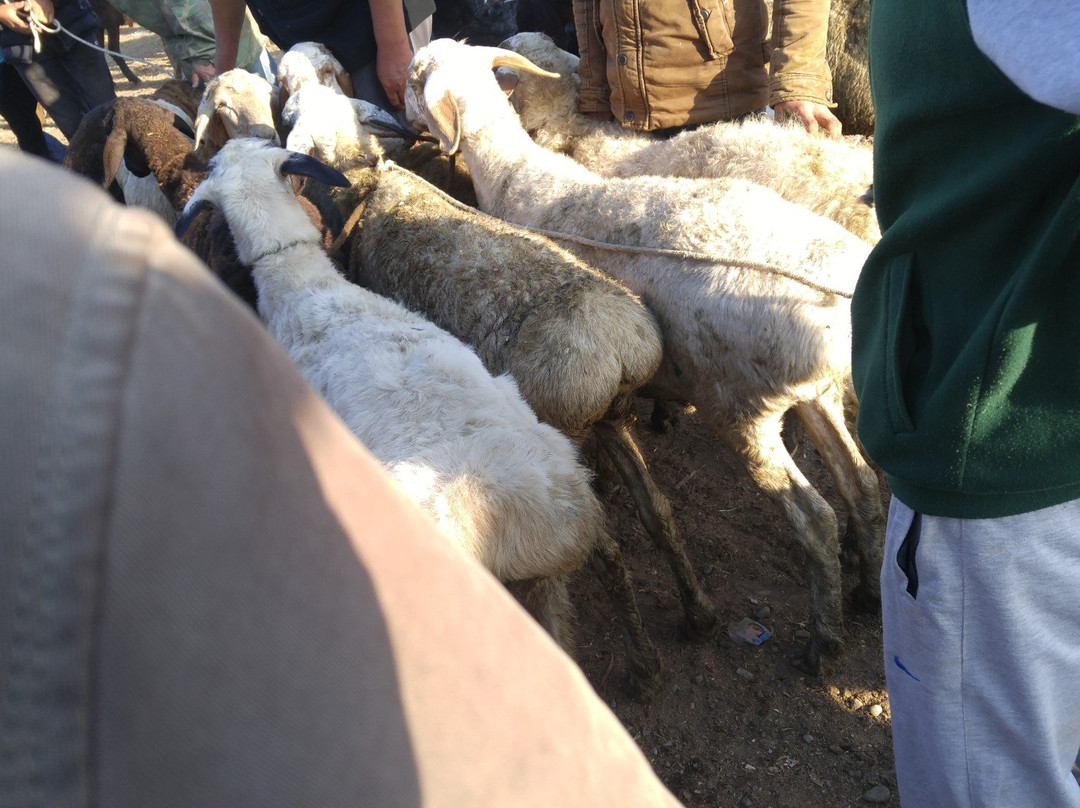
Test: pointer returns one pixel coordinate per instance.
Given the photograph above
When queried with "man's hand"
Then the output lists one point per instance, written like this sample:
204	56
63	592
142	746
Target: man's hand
42	10
13	16
811	115
202	74
392	66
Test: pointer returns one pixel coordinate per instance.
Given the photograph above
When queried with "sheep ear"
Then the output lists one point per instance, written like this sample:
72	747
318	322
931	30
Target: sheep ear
112	155
444	115
201	122
518	62
307	166
278	98
344	81
191	211
214	136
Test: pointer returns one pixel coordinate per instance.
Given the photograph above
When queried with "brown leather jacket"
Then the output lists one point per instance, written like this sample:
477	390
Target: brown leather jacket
661	64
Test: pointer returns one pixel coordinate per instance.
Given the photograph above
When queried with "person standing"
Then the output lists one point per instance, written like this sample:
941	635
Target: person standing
964	340
666	65
186	28
20	109
68	77
373	40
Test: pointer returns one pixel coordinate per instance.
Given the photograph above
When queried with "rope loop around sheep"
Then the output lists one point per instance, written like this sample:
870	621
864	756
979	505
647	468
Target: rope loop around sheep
686	255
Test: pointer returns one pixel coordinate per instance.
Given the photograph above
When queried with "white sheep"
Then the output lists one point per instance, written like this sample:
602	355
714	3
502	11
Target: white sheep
752	294
578	343
829	177
236	103
462	444
312	62
307	63
331	127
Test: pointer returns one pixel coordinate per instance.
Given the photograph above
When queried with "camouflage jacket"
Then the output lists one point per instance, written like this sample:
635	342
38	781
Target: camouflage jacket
186	27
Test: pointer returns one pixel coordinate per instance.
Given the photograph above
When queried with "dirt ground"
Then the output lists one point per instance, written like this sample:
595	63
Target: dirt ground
738	725
733	726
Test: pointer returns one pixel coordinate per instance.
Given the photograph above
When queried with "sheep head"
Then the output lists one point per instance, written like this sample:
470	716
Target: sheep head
338	130
137	126
441	73
540	101
235	104
248	181
313	61
309	63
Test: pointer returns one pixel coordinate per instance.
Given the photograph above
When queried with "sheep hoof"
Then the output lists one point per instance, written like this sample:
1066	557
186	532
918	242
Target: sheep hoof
646	685
660	424
664	417
819	656
866	598
701	626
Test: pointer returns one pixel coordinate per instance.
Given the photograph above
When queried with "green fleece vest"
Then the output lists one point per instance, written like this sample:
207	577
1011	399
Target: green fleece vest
966	319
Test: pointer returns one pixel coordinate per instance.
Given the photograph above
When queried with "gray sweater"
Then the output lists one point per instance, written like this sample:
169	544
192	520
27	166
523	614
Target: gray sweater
1036	43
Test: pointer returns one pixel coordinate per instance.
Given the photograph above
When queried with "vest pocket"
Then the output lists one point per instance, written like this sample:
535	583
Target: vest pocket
899	338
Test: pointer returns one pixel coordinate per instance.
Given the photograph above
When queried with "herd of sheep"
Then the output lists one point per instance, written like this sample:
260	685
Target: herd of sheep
474	320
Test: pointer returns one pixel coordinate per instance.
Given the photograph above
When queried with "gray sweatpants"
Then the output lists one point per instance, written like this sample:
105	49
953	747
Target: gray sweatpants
982	657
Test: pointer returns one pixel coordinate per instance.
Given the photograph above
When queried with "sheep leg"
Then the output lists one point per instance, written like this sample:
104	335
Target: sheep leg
112	36
858	486
760	446
548	602
644	660
655	513
665	414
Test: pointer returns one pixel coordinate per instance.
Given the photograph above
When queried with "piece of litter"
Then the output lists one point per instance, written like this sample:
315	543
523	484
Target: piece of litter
748	632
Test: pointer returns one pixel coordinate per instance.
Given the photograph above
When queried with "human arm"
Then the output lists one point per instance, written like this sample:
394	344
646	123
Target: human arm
1036	50
269	620
594	94
13	17
800	86
228	21
392	49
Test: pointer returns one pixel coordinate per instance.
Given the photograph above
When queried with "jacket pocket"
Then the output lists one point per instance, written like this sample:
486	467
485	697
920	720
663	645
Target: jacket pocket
711	17
900	338
905	555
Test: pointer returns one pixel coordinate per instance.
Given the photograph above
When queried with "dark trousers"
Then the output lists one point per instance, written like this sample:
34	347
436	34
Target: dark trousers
366	84
19	108
68	78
